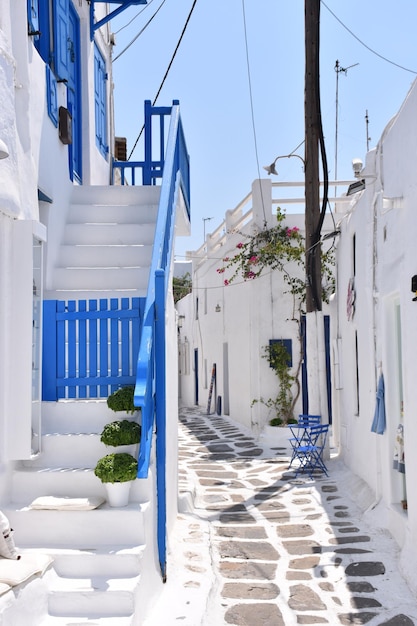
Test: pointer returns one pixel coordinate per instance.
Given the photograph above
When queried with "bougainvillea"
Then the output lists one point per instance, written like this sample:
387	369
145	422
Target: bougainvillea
275	248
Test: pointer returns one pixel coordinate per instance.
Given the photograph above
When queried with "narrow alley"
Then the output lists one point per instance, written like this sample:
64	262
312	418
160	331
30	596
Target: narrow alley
253	546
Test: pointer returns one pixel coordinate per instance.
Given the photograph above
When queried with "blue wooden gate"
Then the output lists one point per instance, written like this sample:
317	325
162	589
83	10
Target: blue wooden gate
90	347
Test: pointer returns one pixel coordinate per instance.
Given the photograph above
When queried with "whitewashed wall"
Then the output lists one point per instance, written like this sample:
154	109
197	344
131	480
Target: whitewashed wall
241	318
383	221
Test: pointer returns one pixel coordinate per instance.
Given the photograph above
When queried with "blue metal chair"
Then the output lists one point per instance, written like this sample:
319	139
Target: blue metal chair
300	432
310	451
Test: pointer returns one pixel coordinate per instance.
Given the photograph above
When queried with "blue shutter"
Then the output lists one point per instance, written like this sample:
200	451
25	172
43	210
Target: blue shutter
61	52
100	101
33	17
51	96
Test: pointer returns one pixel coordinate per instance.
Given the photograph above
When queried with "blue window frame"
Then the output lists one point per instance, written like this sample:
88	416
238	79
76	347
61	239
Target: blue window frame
100	101
51	96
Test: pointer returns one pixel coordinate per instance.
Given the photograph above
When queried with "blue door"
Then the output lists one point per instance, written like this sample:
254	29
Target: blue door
74	94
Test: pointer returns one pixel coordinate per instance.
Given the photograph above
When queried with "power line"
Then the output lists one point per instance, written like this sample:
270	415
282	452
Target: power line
140	32
167	71
406	69
116	32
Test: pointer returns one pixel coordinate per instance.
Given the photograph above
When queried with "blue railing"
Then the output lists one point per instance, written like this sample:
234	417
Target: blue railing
150	389
151	169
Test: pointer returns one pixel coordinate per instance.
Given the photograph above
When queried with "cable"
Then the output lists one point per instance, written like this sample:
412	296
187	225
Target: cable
166	73
116	32
252	109
406	69
139	33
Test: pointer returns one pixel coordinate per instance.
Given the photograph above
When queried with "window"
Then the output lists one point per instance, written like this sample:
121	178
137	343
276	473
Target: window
100	101
48	24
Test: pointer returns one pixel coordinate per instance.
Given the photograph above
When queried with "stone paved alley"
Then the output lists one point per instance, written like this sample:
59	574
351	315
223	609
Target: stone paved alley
253	546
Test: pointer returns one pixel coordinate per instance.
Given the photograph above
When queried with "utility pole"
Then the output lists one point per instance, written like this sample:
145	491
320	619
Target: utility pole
312	129
315	350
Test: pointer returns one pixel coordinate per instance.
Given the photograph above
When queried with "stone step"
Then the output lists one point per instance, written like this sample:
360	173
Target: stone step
97	596
105	255
95	529
115	194
121	214
73	482
108	278
110	233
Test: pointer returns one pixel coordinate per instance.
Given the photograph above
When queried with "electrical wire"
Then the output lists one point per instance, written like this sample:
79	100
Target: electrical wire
401	67
252	108
167	71
116	32
140	32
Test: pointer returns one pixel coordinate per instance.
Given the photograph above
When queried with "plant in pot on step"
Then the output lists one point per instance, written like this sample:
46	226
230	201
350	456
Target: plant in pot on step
120	434
117	471
122	400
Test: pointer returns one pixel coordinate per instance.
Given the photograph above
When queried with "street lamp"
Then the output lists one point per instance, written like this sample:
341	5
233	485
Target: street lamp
205	219
271	168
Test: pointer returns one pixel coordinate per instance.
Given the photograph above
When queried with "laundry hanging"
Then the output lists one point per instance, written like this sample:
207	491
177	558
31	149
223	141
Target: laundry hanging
379	421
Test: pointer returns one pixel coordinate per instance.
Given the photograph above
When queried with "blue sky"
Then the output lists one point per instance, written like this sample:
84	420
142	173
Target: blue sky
237	120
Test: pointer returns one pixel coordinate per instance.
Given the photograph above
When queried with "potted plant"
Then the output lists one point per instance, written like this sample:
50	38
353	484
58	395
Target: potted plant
121	433
122	400
117	471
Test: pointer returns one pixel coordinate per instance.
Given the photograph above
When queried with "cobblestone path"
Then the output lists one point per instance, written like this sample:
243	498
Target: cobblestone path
265	549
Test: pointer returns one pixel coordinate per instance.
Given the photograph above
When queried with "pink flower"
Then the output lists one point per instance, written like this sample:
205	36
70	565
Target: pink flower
226	259
253	259
250	275
292	231
226	282
220	270
239	245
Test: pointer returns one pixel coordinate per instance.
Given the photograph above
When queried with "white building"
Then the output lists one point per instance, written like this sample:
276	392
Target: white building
375	333
229	326
77	260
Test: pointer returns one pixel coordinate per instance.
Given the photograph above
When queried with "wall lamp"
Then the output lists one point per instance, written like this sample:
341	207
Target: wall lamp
4	151
271	168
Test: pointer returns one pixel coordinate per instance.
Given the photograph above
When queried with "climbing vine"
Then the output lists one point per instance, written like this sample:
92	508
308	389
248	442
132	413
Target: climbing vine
276	248
279	248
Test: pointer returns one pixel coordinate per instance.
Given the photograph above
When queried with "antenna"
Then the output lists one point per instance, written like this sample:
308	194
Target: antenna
338	68
368	139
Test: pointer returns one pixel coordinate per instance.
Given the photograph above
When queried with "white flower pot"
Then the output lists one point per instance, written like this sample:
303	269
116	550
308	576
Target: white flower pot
118	493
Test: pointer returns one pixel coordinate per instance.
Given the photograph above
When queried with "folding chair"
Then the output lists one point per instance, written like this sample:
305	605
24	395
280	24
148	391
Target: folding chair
310	451
300	432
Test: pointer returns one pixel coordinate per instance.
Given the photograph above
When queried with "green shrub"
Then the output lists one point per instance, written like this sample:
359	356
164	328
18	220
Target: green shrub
122	400
116	468
121	433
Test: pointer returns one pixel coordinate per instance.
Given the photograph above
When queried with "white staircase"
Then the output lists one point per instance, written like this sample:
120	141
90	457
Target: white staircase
104	568
107	243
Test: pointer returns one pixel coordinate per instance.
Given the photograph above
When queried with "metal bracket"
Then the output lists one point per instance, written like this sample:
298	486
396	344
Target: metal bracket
124	4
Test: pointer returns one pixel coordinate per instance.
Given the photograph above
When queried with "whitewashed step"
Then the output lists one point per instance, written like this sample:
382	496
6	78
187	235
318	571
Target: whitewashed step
108	278
73	482
71	450
87	621
115	562
115	194
104	255
71	416
109	233
94	294
97	596
105	526
122	214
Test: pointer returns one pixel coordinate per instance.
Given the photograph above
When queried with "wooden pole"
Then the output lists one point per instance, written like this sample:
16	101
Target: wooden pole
312	130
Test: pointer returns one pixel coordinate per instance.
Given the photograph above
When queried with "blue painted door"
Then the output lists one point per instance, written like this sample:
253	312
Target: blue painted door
74	94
